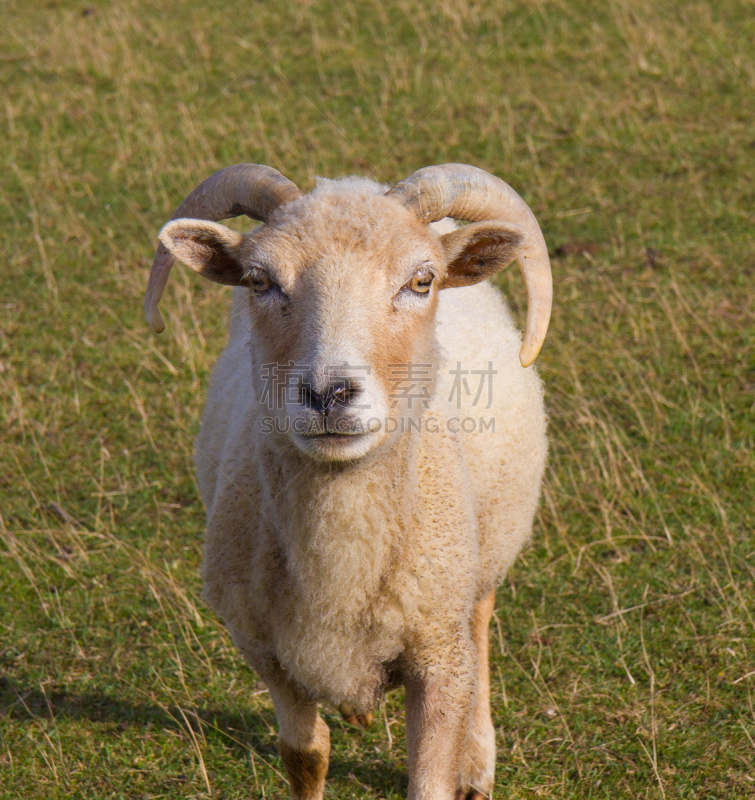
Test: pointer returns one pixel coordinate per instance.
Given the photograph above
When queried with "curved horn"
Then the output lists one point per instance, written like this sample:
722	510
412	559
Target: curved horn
469	193
251	189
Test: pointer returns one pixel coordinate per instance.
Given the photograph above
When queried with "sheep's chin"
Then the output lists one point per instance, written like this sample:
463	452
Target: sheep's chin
334	448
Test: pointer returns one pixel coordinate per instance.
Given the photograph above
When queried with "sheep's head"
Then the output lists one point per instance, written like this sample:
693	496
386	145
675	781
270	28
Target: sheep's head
344	286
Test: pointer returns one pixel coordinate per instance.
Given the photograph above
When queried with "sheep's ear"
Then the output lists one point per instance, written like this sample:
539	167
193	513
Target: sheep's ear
206	247
479	250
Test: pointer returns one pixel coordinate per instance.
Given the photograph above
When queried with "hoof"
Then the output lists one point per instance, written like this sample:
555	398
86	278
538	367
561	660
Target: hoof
348	713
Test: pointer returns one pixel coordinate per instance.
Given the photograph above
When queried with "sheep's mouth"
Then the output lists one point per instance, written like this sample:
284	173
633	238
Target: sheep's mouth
335	445
334	435
333	431
330	439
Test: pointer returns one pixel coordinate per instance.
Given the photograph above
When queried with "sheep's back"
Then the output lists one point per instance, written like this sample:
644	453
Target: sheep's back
229	399
505	464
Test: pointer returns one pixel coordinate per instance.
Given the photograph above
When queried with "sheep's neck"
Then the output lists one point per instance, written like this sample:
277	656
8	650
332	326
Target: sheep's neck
341	528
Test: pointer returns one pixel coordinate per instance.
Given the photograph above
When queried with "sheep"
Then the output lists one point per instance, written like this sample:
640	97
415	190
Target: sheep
357	527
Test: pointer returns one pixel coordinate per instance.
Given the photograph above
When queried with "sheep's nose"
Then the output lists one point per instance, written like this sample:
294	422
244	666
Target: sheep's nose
340	391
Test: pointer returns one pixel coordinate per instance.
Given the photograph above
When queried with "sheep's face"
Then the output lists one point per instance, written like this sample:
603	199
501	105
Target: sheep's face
343	286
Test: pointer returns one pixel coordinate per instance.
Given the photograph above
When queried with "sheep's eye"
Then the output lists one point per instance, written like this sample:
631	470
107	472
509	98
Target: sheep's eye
421	281
259	280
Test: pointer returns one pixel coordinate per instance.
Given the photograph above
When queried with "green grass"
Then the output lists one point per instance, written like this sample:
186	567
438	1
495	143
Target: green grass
624	644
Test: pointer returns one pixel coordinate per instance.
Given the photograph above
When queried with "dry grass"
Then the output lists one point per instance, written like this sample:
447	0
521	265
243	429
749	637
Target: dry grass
624	645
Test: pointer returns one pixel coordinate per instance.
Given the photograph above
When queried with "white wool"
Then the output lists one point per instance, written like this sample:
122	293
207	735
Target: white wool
341	533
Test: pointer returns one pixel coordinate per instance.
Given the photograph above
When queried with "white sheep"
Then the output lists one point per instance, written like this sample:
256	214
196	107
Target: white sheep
364	495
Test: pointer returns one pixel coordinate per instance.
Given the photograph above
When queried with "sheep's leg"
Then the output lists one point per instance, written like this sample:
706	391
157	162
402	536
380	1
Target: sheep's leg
351	716
438	710
303	738
478	760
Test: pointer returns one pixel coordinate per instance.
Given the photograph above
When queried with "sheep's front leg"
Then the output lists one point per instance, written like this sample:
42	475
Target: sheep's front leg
303	738
438	709
478	760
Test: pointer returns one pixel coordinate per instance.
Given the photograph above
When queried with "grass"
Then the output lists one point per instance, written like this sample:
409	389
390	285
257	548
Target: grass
624	642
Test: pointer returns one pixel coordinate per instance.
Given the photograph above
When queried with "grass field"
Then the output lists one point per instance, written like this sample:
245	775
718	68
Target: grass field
624	640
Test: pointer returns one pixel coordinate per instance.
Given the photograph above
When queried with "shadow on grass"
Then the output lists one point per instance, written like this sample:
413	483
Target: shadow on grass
239	732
